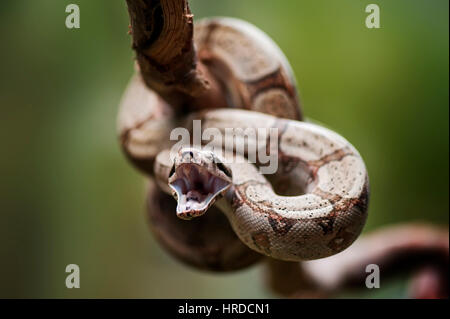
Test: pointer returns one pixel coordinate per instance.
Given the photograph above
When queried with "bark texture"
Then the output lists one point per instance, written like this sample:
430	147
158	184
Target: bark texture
162	32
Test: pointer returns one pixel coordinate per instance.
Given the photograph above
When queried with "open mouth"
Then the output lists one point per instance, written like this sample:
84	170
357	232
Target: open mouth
196	189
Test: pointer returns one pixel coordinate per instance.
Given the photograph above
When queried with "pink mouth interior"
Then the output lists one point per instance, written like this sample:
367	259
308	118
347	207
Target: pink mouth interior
196	189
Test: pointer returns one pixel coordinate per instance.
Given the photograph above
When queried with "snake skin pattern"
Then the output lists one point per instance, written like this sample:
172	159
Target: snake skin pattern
322	176
323	221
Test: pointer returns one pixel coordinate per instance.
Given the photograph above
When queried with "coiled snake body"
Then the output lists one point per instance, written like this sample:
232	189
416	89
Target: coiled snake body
321	175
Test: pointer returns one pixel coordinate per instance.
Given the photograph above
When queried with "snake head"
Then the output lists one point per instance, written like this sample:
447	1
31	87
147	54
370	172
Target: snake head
198	178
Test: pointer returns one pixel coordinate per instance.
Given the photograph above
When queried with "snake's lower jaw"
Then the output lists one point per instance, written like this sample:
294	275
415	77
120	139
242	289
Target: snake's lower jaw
194	204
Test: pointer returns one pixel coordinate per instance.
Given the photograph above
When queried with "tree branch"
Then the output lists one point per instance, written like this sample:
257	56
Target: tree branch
162	32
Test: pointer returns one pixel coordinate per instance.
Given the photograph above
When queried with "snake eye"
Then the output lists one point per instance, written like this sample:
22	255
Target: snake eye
172	171
223	168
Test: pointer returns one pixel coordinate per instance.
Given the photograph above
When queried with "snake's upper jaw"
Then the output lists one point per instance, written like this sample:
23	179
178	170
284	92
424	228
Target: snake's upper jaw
196	189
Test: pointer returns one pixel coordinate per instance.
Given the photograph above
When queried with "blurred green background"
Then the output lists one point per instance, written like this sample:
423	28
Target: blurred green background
68	195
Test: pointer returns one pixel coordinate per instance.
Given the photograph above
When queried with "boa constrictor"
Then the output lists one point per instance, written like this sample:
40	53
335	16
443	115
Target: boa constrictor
321	175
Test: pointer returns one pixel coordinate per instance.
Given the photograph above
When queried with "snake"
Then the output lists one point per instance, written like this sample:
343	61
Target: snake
313	206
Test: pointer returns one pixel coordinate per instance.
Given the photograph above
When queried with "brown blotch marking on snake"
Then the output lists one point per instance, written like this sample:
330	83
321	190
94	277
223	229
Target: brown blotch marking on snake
281	225
359	203
204	52
248	91
211	28
333	198
336	156
143	164
327	225
240	198
364	198
220	70
236	201
287	163
125	135
341	205
262	241
281	126
275	80
342	239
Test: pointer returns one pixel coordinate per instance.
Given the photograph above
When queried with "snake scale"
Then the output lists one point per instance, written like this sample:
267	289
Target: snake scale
314	206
